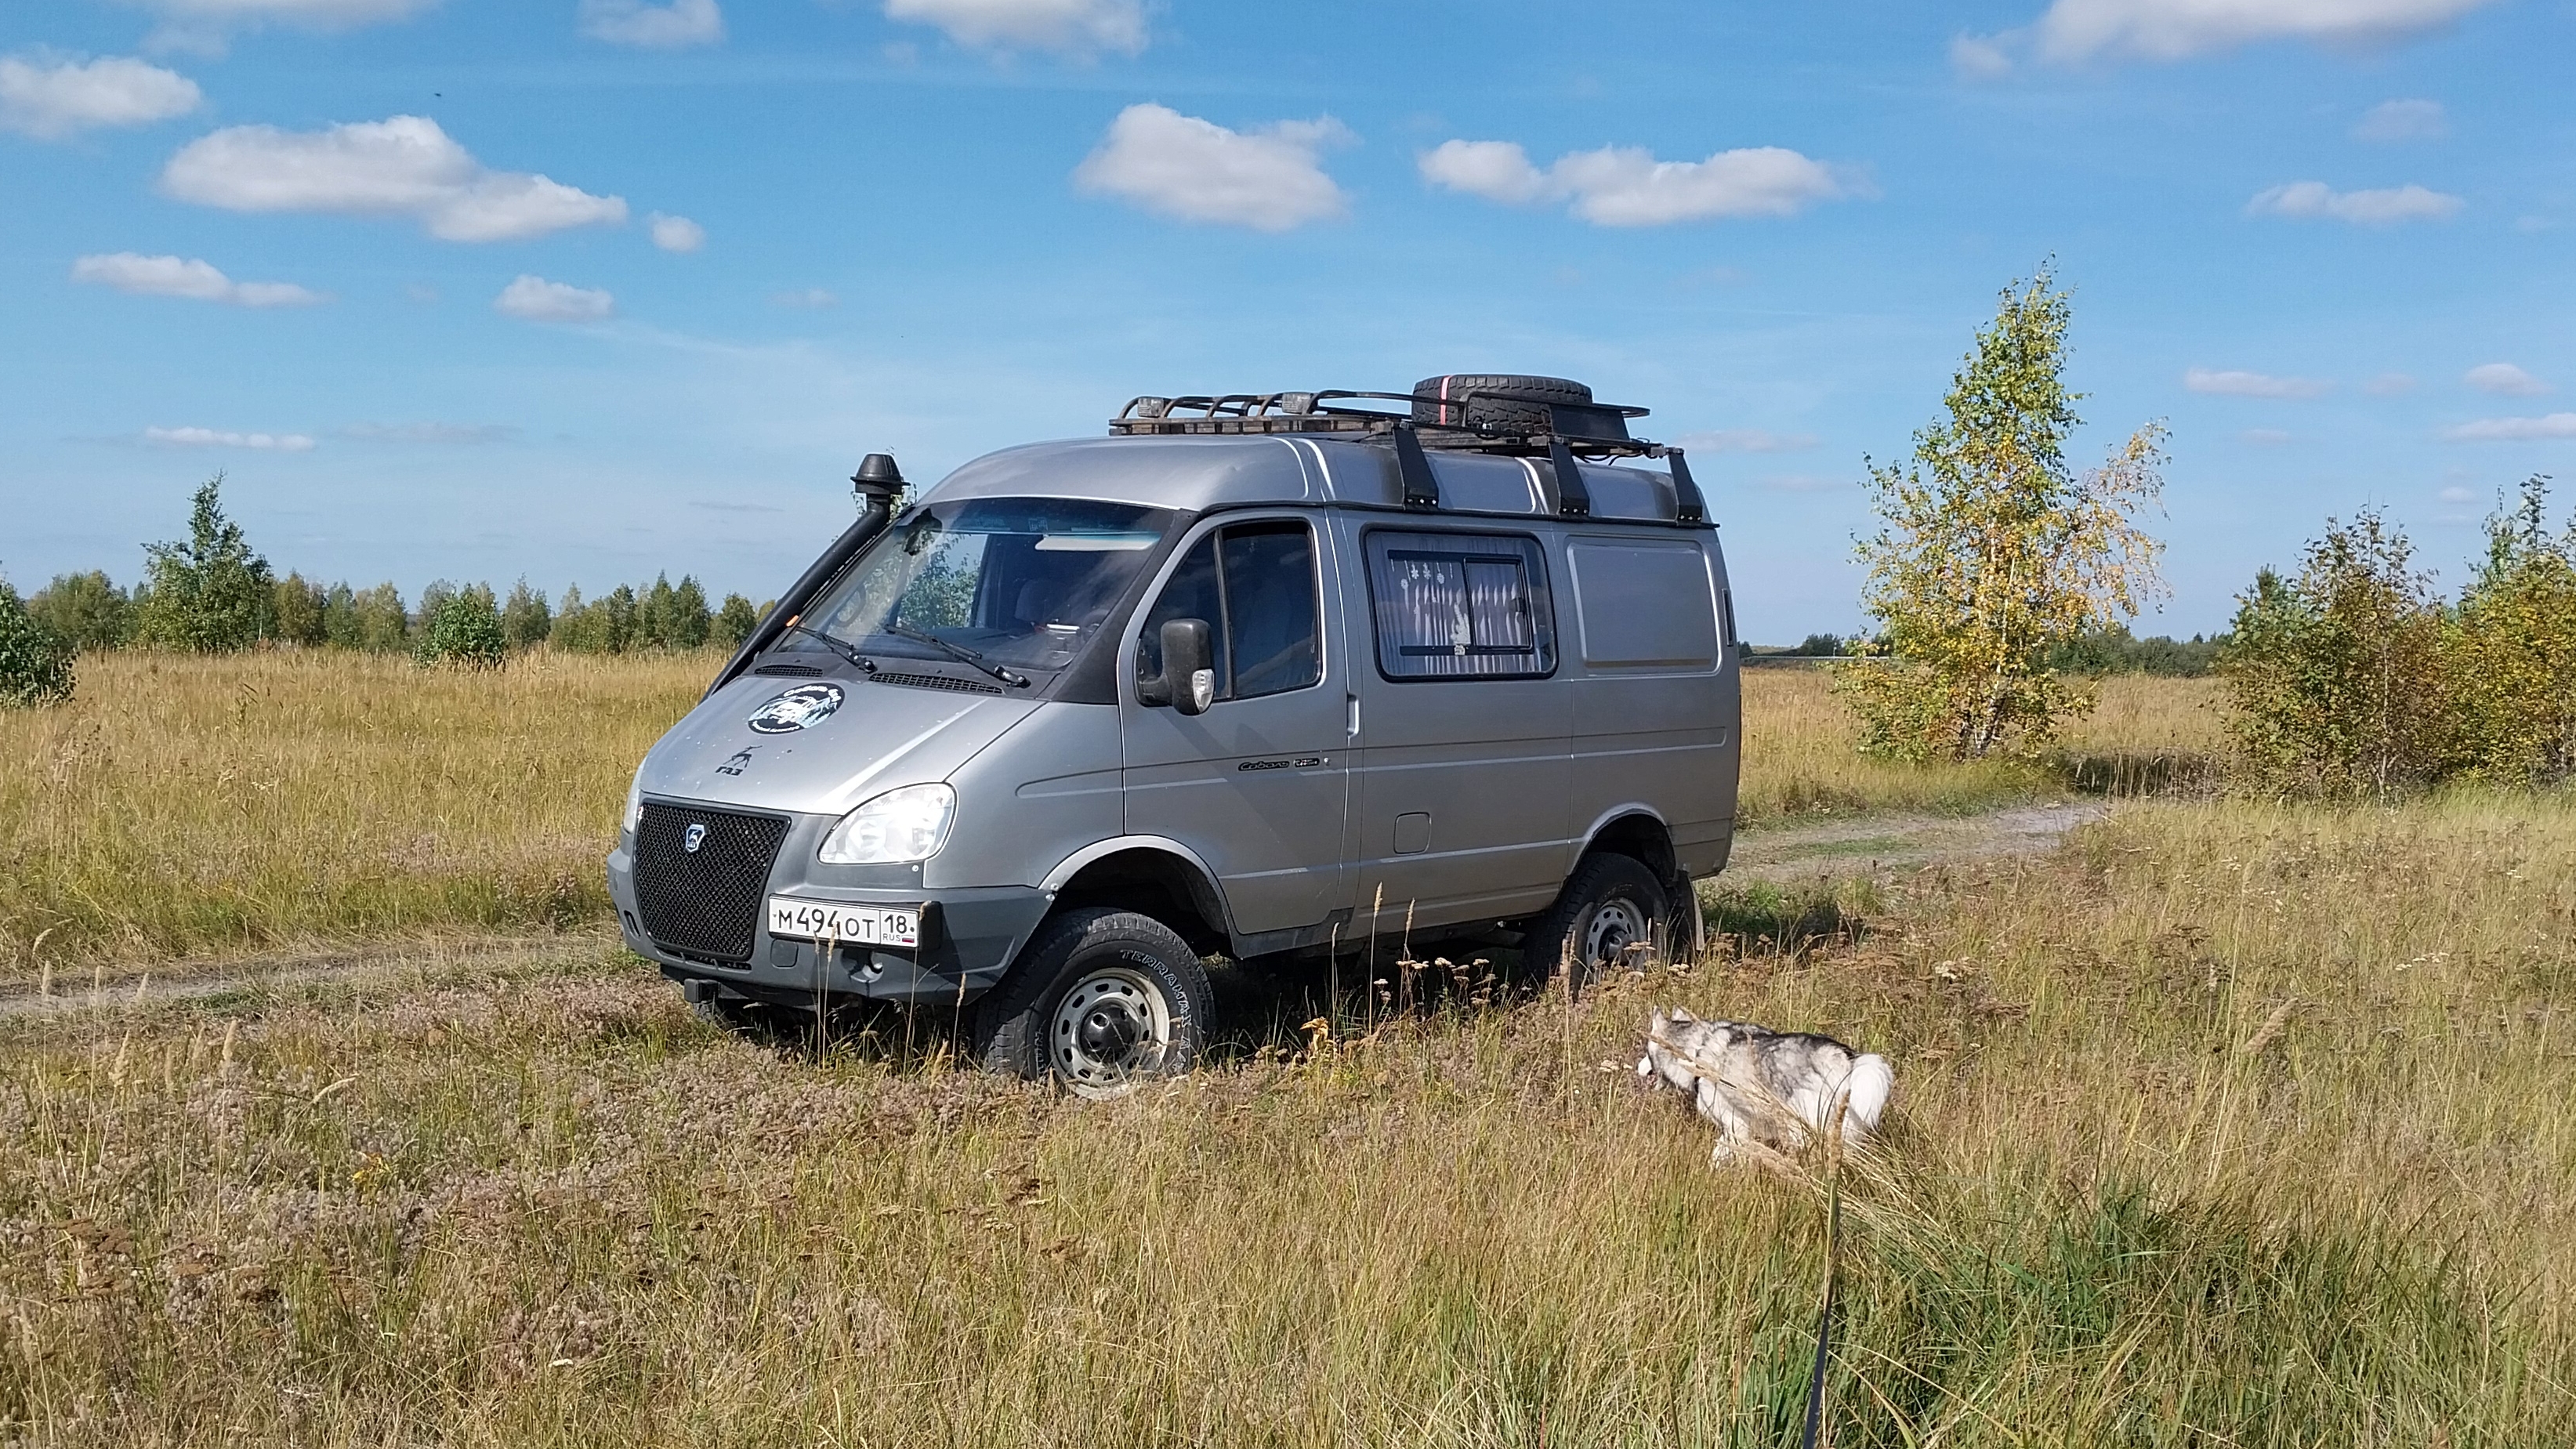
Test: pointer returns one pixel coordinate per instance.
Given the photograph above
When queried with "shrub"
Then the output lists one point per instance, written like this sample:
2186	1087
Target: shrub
2513	650
296	610
734	622
2337	676
432	599
86	611
525	620
464	629
35	663
383	626
2116	651
687	622
210	594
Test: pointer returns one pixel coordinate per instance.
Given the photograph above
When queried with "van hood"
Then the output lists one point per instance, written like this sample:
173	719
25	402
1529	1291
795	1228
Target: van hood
820	746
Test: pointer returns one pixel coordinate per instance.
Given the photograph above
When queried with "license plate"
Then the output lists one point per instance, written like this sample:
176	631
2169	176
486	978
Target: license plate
833	921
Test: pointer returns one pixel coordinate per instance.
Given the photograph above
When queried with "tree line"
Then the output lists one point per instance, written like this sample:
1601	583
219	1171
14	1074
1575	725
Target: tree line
213	593
2110	649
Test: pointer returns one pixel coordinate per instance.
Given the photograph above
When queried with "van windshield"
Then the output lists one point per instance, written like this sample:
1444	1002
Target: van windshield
1020	581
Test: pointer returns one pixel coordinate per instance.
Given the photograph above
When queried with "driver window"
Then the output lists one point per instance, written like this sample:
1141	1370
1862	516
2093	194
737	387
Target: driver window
1254	584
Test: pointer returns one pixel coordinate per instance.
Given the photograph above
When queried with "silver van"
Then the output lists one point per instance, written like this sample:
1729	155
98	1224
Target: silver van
1252	676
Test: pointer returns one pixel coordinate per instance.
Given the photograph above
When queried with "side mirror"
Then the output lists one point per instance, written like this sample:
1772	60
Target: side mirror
1188	681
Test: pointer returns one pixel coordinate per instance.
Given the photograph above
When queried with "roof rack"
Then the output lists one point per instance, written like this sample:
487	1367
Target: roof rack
1255	413
1325	412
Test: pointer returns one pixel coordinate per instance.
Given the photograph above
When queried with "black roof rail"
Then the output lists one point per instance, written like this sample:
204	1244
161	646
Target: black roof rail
1569	436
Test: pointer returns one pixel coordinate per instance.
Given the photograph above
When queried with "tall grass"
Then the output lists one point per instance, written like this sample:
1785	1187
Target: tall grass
1801	751
2230	1125
183	806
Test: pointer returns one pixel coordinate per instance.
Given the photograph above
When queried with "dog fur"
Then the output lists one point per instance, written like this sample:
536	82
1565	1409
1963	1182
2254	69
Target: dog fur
1772	1089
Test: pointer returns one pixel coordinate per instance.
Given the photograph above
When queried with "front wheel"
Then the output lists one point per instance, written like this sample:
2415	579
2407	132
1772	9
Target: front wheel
1611	913
1103	1001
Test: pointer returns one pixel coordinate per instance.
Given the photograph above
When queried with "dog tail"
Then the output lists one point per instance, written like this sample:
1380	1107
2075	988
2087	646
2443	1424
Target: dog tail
1868	1087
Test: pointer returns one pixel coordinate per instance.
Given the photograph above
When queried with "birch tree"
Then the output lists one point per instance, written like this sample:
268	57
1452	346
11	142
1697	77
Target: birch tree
1991	550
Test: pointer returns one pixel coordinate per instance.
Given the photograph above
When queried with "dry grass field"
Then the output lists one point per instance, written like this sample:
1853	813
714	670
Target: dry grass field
2225	1124
183	807
2230	1124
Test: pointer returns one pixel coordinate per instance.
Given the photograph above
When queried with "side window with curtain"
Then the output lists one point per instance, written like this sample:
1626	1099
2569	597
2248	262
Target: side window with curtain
1254	584
1460	606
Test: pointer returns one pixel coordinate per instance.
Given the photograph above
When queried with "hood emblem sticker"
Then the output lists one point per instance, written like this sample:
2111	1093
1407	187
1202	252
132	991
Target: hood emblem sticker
737	762
806	704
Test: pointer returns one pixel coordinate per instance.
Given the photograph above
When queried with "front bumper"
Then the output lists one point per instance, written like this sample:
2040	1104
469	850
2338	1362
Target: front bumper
969	937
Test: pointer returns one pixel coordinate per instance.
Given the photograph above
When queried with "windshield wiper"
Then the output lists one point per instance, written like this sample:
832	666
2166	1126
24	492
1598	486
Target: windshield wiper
837	645
958	652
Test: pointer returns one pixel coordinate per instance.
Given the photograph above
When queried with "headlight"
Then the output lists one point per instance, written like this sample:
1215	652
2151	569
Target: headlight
898	826
635	803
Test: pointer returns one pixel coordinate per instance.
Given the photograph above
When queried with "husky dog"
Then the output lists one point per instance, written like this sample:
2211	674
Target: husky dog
1769	1088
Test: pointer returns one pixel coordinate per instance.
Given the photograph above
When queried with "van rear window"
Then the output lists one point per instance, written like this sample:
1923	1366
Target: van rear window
1460	605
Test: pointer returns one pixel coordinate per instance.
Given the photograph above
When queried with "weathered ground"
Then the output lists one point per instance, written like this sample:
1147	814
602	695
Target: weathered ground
2222	1124
1837	849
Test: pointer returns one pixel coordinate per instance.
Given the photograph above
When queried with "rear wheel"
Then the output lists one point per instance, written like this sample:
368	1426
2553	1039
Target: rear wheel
1103	1001
1610	916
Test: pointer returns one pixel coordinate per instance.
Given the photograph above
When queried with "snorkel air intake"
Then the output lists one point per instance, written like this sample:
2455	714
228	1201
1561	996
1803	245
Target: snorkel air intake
877	484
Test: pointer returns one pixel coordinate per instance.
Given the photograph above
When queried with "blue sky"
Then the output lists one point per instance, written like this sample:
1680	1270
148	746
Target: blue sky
583	289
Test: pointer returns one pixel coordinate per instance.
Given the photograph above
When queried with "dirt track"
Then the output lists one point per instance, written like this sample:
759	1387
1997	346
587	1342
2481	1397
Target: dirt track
1843	847
1876	842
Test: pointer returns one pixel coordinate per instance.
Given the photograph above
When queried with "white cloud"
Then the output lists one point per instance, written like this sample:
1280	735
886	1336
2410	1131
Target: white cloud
1746	440
186	277
2402	121
2076	30
2389	384
205	26
2514	430
217	438
48	97
1495	170
430	434
2505	380
314	14
538	300
1071	26
675	26
676	233
1803	482
811	299
2251	384
2264	437
1627	186
2457	494
1980	57
401	166
2386	207
1181	166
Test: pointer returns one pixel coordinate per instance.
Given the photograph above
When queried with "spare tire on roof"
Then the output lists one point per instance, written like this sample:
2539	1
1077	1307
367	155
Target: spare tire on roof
1494	400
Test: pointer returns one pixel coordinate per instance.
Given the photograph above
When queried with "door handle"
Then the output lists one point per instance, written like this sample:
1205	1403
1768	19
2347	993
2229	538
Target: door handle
1354	726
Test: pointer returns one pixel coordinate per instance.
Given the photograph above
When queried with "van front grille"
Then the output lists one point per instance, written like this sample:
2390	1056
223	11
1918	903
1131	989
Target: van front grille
704	902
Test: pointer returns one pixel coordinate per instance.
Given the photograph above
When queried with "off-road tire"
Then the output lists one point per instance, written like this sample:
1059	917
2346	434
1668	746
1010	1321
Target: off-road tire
1555	940
1507	400
1016	1030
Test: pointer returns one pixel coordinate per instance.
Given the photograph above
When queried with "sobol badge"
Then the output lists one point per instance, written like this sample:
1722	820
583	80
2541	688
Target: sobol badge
798	708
